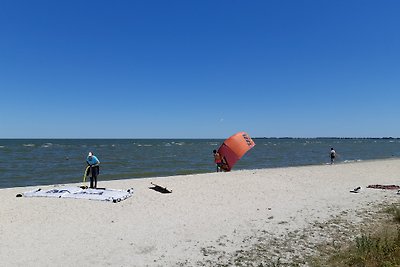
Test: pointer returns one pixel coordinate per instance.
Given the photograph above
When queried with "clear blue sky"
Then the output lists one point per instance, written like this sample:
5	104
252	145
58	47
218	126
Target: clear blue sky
199	69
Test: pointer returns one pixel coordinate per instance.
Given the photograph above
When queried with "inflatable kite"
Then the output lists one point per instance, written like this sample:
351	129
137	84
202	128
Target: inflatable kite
234	148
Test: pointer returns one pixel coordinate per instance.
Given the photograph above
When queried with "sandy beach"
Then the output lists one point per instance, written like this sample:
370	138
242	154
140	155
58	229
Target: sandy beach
214	219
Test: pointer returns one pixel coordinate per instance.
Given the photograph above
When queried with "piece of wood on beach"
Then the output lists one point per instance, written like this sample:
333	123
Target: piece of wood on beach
382	186
356	190
160	188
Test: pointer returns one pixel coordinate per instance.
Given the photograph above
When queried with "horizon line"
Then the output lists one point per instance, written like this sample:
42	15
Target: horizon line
199	138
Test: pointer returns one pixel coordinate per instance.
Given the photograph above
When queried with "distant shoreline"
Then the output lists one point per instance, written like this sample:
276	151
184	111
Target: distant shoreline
190	138
339	138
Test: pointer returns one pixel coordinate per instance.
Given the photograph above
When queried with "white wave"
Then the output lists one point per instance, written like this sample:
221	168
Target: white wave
351	160
47	145
179	143
29	145
144	145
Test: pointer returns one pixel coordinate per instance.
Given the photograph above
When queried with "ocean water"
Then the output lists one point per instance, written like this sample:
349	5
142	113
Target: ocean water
26	162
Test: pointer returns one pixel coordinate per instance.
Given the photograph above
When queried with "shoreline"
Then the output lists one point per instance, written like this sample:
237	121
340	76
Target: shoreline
208	219
355	161
63	161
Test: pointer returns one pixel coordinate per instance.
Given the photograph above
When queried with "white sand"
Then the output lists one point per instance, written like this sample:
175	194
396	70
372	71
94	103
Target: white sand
208	219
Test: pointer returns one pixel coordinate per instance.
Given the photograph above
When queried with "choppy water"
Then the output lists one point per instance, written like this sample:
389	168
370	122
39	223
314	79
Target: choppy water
38	162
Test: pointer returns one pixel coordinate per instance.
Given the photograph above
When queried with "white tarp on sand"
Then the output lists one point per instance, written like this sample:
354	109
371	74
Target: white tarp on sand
103	194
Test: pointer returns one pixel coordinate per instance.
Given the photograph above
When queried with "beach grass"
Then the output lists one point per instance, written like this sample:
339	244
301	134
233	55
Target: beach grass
395	210
379	247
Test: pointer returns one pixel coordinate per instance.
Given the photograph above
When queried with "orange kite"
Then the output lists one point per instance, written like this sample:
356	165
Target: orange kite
234	148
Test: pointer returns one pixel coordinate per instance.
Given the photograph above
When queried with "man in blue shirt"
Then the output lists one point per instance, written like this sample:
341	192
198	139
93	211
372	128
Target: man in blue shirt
94	169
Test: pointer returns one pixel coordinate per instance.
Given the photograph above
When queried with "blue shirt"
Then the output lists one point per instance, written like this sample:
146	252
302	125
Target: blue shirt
93	160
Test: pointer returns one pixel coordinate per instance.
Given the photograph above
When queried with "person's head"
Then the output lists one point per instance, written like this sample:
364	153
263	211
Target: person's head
214	151
90	154
331	148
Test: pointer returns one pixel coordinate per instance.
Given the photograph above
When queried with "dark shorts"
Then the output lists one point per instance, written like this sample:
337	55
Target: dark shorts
93	171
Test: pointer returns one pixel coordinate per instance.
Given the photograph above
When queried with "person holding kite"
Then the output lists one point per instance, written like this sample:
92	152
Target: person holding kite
232	150
219	161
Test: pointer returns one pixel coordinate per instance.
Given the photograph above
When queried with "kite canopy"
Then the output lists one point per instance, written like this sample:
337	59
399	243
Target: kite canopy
234	148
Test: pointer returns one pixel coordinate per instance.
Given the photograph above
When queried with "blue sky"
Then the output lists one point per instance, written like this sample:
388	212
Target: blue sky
199	69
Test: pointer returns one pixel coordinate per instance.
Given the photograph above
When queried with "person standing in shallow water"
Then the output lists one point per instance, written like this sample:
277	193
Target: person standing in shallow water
332	155
94	169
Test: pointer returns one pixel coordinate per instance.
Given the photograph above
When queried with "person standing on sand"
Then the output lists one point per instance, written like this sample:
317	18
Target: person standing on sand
218	160
94	169
332	155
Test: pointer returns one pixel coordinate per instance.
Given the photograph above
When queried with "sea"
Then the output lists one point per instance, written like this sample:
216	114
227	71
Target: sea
30	162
